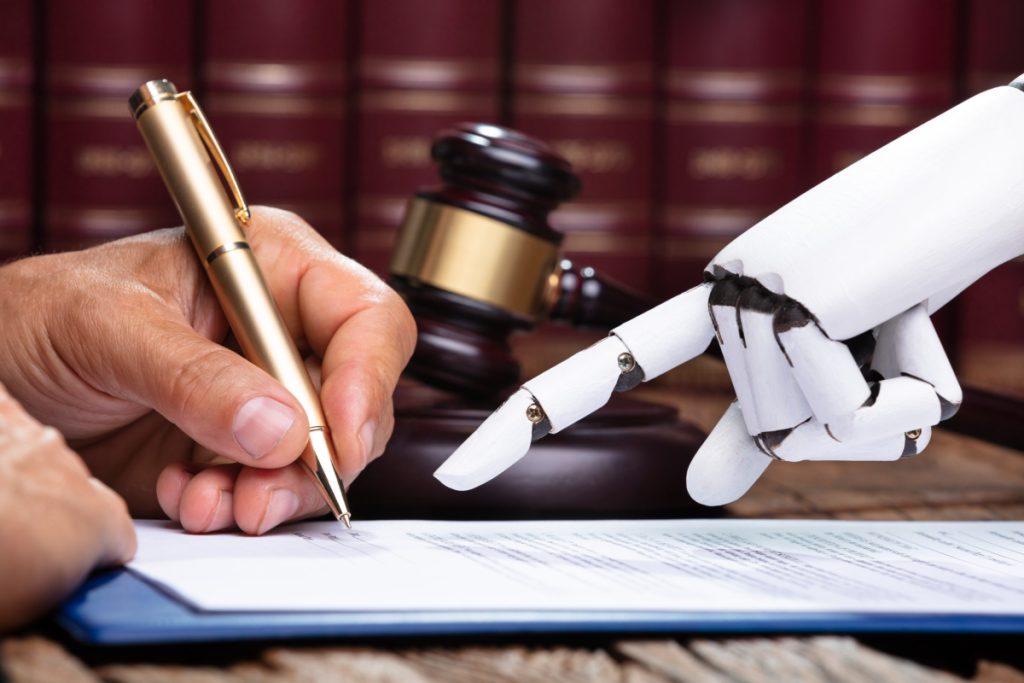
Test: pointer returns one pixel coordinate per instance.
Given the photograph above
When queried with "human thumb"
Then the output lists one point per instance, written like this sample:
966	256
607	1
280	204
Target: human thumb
217	397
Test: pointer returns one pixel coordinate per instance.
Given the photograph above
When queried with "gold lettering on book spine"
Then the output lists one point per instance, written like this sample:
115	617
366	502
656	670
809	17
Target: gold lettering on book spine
884	87
586	77
731	84
876	115
100	107
596	156
405	151
113	161
711	221
583	105
107	77
734	112
429	101
276	74
734	163
631	217
427	73
279	106
269	156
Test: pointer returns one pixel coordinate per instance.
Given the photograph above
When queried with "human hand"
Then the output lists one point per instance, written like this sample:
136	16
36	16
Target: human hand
863	258
57	522
120	348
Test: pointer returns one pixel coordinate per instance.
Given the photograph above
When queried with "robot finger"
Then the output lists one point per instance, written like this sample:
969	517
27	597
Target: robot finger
669	334
665	336
908	346
900	404
582	383
824	368
778	400
549	402
722	302
811	441
727	463
497	444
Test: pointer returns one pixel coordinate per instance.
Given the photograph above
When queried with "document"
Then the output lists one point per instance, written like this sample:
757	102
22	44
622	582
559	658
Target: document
679	566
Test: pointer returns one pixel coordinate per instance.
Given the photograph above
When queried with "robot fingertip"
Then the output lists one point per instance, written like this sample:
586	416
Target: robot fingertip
713	486
497	444
469	467
727	464
457	481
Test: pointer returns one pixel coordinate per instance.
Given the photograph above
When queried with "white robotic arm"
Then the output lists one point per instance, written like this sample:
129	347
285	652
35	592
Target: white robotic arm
821	312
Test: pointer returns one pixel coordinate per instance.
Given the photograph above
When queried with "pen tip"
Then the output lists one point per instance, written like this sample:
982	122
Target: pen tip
346	520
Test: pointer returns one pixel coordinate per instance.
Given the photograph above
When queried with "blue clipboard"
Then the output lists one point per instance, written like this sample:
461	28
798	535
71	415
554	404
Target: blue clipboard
119	608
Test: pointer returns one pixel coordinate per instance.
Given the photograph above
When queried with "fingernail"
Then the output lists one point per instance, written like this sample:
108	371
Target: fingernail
224	514
282	507
366	435
260	425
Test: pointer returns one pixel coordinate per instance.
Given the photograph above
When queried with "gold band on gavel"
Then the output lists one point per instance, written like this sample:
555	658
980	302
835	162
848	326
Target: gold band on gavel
480	258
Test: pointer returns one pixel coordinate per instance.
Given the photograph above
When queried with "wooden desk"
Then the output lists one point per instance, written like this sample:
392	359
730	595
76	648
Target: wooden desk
956	478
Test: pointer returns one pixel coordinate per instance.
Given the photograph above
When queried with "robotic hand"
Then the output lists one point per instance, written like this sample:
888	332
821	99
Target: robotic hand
821	311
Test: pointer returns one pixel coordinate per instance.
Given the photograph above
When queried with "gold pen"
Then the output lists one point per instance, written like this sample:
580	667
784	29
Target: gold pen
195	171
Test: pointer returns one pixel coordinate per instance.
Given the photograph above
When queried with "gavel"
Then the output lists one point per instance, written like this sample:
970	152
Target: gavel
476	260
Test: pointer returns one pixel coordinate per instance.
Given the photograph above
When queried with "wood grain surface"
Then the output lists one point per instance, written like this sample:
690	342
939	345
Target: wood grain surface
825	659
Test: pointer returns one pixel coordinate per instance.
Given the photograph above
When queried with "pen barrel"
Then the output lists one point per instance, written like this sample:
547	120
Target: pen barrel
249	307
190	175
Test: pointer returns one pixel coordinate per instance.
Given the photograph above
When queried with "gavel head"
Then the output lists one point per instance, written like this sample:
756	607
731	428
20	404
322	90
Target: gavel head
477	260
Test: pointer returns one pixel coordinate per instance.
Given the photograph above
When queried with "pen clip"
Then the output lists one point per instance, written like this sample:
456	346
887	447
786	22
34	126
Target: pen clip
213	148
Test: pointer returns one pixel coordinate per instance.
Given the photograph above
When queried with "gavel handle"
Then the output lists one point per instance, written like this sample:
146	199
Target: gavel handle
588	299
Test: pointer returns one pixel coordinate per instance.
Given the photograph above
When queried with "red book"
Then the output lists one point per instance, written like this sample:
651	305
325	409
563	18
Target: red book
583	81
100	182
883	68
276	96
17	74
990	313
422	67
734	83
995	52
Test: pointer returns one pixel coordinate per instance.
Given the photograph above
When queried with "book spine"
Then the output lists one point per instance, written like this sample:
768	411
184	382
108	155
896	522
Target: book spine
421	68
990	313
734	84
994	53
583	81
99	180
276	93
17	78
883	68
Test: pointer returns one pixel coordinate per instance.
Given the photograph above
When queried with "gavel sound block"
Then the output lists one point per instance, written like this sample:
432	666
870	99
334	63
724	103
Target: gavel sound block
477	261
